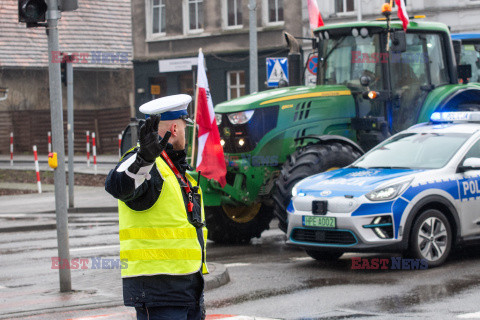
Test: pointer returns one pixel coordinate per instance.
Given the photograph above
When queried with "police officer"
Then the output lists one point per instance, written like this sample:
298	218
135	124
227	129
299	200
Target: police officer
161	218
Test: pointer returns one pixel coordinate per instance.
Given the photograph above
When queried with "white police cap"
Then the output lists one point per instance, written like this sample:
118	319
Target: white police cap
169	108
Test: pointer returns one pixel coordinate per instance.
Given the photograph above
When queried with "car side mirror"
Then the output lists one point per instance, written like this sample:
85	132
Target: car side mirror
470	164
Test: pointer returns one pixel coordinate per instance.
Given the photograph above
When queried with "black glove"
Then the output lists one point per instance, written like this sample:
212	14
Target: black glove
150	146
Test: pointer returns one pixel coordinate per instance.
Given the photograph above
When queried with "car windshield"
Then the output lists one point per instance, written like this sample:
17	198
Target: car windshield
414	151
347	58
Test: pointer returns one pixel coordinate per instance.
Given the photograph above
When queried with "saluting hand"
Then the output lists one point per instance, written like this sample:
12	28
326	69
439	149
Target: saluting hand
150	146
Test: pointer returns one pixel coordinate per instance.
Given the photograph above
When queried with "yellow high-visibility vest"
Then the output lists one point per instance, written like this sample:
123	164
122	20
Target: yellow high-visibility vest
160	240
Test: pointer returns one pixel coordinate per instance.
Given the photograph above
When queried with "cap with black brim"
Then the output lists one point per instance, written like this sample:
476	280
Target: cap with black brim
169	108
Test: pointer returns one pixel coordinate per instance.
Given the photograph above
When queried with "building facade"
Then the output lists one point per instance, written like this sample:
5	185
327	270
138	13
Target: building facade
99	34
168	34
460	15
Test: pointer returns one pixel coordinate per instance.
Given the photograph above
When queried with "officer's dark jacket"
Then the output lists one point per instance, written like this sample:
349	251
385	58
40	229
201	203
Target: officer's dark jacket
158	290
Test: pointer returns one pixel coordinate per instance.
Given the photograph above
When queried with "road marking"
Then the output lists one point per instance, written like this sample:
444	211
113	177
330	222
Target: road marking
301	259
103	316
232	317
116	246
238	264
474	315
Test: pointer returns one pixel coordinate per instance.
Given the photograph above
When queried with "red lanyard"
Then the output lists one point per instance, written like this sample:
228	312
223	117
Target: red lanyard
179	176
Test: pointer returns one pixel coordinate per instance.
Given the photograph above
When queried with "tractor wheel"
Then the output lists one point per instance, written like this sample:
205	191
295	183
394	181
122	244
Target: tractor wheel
304	162
227	224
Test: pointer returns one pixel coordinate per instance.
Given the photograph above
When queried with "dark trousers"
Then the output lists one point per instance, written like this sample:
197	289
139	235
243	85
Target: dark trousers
169	313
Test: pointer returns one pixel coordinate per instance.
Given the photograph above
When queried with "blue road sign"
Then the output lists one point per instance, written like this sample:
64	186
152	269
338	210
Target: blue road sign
277	70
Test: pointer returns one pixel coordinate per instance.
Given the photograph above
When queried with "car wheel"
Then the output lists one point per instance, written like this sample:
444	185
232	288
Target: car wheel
321	255
431	238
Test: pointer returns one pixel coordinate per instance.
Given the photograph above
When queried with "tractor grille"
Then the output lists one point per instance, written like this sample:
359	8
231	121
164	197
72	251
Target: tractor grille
324	236
302	111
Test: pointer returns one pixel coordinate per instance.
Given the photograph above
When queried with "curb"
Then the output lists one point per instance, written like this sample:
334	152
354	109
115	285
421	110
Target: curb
218	277
53	226
32	227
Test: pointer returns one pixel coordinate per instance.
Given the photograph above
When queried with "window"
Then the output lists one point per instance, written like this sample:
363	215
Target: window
235	84
275	11
474	152
195	15
158	16
233	13
342	6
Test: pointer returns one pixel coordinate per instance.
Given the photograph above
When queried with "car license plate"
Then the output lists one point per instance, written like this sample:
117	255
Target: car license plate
324	222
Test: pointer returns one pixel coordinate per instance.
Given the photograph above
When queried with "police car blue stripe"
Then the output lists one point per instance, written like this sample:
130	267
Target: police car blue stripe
450	186
398	209
373	208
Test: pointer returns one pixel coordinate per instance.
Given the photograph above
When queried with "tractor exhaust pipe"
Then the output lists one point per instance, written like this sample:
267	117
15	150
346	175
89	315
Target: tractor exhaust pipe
294	57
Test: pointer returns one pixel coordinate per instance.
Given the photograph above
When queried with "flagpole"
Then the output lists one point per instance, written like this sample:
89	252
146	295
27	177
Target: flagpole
195	121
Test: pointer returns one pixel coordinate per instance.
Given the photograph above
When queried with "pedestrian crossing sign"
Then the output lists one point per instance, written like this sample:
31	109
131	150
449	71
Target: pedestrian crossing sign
277	71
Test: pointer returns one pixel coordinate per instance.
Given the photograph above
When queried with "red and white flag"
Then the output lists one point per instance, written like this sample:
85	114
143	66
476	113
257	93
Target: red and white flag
402	13
210	157
314	15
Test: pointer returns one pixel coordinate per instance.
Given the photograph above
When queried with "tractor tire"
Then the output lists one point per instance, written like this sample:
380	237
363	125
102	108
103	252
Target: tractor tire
306	161
237	225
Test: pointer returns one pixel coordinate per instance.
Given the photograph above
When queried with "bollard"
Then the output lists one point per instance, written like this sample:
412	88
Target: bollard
119	145
88	148
37	169
11	148
49	141
94	149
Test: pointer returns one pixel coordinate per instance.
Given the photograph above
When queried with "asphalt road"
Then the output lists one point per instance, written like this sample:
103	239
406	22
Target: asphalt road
268	279
271	280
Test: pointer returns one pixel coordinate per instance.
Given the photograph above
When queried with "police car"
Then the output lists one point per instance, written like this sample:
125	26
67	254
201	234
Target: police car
417	192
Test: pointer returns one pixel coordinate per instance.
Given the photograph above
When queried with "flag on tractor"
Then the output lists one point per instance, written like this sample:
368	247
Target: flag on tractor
402	13
314	15
210	157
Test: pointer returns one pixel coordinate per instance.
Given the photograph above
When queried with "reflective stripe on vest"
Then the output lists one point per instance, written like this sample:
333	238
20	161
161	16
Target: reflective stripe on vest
160	240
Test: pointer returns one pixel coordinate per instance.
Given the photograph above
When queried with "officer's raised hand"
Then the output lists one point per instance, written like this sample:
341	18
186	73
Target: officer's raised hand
150	145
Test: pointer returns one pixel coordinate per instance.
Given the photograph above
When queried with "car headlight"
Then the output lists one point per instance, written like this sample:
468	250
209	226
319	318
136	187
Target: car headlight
294	191
387	193
240	117
218	118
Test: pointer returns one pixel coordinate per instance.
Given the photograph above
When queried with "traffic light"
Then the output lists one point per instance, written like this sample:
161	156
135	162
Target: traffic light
32	12
63	71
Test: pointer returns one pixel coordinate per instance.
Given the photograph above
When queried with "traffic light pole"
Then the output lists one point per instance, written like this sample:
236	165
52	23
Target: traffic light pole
253	65
56	113
70	132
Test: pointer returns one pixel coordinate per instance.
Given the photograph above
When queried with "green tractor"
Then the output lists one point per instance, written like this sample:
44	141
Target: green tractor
373	80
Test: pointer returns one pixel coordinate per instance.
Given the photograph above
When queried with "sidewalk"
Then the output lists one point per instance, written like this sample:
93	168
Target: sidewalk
30	289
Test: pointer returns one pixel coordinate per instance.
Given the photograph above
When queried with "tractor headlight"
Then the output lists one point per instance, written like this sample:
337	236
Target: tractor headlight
387	193
218	118
240	117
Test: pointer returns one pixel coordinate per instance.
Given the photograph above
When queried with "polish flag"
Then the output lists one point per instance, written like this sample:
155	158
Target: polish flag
210	157
402	13
314	15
